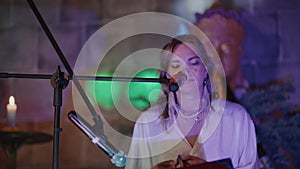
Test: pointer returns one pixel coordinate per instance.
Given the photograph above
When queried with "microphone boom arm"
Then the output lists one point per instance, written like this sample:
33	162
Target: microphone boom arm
117	158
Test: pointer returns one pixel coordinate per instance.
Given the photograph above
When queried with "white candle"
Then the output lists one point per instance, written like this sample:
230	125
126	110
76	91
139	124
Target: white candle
11	111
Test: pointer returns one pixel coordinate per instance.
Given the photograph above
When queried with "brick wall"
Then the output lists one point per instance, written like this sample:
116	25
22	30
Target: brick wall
272	37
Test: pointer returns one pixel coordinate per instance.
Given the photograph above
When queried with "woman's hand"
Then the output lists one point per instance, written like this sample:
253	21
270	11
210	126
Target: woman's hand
170	164
192	160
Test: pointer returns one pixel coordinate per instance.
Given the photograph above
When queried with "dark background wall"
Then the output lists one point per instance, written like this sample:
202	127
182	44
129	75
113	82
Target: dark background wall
271	52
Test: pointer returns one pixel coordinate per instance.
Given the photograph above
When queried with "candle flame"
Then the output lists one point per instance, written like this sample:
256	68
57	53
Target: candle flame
11	100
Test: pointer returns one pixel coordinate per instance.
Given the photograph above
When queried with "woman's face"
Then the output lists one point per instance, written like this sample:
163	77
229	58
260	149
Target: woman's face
186	60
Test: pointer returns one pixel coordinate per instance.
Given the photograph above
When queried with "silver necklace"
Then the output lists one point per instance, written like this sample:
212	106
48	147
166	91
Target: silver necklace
199	114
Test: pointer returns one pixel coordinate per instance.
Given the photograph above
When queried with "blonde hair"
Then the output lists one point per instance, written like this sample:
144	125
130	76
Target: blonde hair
166	55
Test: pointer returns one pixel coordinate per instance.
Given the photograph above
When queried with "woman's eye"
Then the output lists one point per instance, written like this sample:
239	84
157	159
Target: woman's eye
175	65
195	61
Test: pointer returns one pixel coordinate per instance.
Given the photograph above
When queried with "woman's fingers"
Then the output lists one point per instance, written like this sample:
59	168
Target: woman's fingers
192	160
169	164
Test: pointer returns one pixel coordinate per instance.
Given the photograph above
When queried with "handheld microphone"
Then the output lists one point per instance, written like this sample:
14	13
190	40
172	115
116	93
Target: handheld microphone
176	81
117	157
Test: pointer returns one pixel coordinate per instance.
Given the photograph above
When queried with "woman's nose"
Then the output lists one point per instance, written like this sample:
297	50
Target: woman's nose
188	73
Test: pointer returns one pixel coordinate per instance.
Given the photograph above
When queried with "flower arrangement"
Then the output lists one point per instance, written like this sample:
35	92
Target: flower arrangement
277	121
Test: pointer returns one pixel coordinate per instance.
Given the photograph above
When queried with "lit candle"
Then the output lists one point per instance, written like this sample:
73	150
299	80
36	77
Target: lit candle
11	111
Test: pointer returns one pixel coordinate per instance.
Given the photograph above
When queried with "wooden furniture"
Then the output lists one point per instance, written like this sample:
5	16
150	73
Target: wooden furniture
12	139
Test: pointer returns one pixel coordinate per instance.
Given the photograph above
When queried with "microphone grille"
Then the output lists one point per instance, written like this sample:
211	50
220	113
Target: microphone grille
181	77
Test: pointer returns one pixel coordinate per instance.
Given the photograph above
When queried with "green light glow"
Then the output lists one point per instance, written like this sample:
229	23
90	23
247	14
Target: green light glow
141	94
144	94
106	93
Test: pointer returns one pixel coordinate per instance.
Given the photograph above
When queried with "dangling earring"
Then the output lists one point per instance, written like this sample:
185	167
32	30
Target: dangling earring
206	100
205	80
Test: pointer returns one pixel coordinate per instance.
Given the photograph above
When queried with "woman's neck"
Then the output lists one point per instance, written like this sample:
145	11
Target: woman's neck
190	105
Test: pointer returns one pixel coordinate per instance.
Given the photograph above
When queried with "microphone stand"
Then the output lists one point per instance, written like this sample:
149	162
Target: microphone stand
60	80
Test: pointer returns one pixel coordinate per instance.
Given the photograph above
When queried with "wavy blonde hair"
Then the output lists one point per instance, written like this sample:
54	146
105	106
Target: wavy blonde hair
165	58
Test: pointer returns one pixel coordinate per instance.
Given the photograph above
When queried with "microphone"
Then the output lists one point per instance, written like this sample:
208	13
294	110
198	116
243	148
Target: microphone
117	156
177	80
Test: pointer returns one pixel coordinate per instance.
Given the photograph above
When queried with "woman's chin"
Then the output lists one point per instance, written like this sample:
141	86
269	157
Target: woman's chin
189	91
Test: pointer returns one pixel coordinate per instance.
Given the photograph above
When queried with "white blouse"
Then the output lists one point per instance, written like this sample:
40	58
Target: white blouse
228	132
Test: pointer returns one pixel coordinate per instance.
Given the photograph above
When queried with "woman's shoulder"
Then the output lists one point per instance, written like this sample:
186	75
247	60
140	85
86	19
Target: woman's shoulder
231	109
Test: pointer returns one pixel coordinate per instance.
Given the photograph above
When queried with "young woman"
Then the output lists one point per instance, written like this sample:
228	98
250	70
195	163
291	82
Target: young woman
190	123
